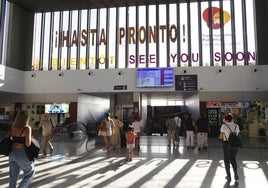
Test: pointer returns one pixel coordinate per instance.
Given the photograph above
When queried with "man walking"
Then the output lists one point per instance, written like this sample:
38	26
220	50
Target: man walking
47	124
171	130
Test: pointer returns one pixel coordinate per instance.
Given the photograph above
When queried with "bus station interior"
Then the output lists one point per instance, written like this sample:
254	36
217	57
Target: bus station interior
77	60
89	93
250	115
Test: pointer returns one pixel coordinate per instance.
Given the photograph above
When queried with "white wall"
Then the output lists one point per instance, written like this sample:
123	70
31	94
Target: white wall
91	109
233	82
192	105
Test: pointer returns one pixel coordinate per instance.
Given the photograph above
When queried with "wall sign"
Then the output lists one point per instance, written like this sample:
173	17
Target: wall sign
120	87
186	82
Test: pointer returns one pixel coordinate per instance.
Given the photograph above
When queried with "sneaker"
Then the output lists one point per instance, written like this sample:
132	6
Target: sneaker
130	159
236	177
228	178
127	159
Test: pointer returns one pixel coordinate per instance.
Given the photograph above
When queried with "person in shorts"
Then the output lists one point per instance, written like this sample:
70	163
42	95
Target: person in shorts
137	128
130	139
107	125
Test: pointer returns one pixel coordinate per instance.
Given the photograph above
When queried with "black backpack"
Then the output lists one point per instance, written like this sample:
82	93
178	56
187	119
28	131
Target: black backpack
233	140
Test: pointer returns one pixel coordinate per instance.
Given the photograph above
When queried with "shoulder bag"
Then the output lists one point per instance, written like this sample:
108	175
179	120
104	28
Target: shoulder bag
6	146
33	150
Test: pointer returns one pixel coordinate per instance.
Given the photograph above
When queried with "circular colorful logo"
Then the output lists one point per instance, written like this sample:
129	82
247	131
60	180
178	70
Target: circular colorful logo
215	17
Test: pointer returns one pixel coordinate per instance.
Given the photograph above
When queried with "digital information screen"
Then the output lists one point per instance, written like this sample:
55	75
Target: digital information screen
154	77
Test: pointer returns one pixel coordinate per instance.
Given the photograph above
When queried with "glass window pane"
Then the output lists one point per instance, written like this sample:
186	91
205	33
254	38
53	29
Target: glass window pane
132	40
251	33
83	44
122	38
216	31
194	34
74	40
36	41
141	59
102	39
65	40
46	41
162	36
184	58
205	34
55	42
227	56
239	56
173	35
112	38
92	39
152	37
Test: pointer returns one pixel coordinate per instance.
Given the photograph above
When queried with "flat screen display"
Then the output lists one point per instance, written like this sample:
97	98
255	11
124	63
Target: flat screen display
57	108
155	77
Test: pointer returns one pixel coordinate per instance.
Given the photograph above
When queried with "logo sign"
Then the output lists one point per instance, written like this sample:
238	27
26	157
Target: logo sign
216	17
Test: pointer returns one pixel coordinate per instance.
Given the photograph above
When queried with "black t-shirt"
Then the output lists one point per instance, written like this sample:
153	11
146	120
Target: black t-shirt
189	124
201	124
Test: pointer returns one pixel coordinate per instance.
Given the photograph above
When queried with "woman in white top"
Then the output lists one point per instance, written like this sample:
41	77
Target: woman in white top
108	132
228	152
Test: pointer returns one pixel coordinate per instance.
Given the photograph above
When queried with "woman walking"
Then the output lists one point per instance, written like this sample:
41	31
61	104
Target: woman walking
106	131
21	133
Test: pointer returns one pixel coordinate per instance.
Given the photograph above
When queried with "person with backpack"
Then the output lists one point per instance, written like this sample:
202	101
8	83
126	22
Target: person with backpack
229	153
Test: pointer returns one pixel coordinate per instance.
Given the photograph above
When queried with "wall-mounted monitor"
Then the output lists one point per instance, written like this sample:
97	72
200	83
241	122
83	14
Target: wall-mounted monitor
57	108
155	77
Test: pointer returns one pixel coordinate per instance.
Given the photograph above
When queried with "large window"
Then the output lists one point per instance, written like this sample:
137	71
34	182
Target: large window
207	33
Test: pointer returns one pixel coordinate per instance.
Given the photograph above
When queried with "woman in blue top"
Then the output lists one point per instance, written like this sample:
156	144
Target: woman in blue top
20	133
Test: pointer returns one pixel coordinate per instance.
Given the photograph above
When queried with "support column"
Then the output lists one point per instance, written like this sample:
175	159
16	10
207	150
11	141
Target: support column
136	104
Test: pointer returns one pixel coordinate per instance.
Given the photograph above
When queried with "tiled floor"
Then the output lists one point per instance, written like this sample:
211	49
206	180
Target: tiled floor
82	162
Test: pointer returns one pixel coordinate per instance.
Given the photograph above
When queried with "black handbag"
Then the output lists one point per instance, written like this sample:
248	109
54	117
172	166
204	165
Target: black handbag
33	150
6	146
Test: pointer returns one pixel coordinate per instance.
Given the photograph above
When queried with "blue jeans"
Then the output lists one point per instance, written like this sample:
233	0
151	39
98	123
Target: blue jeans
18	160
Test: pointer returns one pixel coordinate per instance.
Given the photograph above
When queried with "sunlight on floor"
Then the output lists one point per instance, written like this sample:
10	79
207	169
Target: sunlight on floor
196	174
163	177
253	174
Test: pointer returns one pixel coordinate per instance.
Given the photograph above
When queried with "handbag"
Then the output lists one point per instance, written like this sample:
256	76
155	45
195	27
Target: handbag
33	150
5	146
103	126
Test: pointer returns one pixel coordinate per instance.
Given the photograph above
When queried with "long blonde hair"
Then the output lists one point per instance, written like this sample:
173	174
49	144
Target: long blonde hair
21	120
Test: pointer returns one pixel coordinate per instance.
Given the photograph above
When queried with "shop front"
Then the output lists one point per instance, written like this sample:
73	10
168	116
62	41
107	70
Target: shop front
252	117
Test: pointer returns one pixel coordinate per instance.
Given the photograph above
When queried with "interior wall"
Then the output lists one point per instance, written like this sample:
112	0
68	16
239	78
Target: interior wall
192	105
261	14
20	38
91	109
11	98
